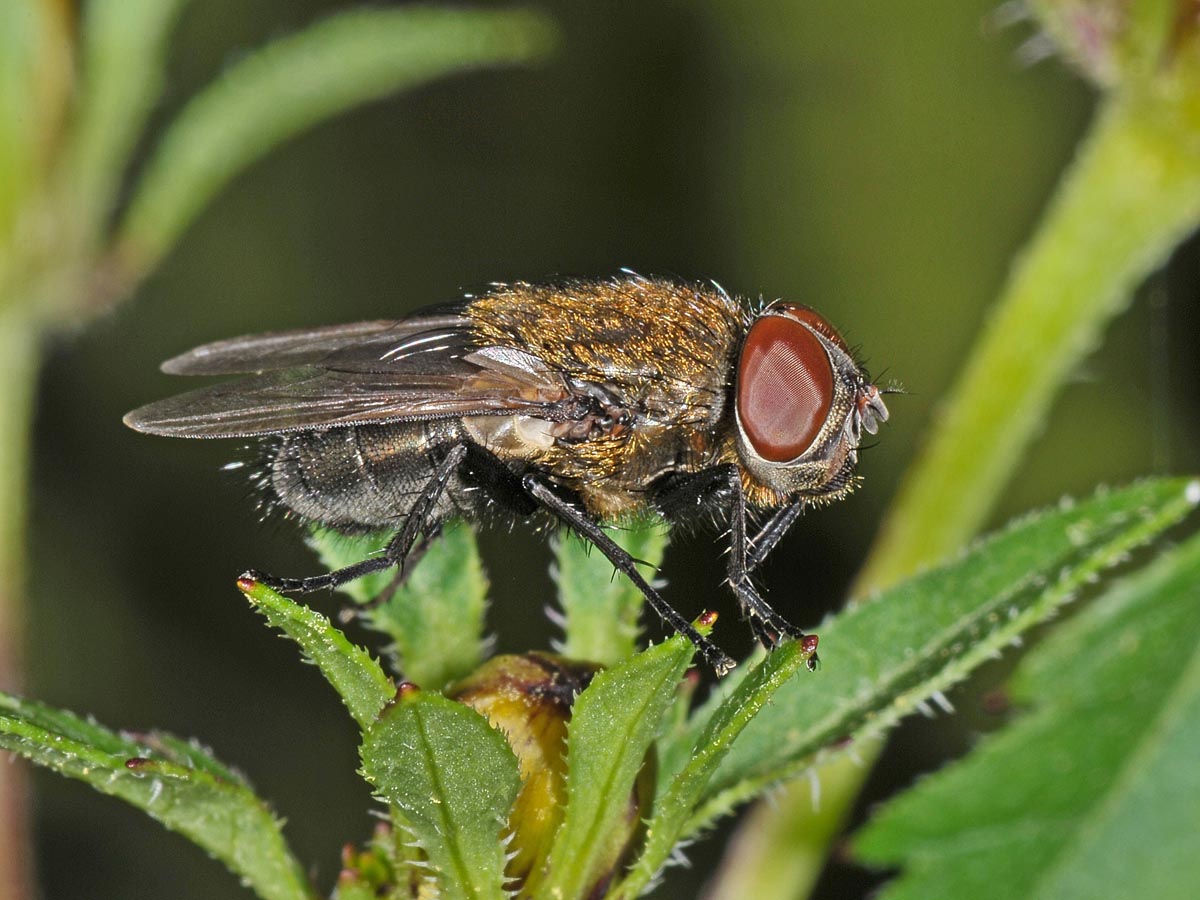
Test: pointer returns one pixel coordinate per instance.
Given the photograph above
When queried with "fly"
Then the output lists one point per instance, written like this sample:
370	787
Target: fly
584	402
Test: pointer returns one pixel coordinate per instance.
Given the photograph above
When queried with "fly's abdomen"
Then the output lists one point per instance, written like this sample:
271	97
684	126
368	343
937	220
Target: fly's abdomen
353	478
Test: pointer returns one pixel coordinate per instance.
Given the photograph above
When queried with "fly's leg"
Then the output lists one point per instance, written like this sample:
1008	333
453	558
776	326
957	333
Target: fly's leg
772	531
546	497
769	627
428	535
398	548
407	565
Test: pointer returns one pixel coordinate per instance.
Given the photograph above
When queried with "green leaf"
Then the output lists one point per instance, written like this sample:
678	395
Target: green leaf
123	61
35	73
174	781
613	723
357	678
454	779
677	799
676	744
600	608
1093	793
436	619
884	658
191	753
292	84
18	26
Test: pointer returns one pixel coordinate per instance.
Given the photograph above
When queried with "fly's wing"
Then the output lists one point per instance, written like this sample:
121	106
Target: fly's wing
374	372
311	346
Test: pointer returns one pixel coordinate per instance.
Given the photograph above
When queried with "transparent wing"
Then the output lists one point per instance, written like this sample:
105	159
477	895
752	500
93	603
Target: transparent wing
372	372
289	349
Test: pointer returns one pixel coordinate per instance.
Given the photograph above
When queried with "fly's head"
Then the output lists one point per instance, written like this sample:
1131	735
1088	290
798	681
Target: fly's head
802	404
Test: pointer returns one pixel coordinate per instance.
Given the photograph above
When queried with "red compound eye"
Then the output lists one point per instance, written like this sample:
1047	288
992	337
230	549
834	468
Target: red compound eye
816	322
785	384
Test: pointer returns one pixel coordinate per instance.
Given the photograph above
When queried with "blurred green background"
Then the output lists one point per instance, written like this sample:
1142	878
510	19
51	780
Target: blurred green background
881	162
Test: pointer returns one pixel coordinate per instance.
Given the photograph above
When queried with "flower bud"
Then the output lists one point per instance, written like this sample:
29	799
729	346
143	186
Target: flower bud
1116	43
368	871
529	699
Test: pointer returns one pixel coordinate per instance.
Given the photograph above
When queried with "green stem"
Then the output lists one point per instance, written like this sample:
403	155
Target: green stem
18	381
1130	197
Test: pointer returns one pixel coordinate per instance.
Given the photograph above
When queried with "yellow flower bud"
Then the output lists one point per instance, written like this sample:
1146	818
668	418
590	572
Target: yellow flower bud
529	699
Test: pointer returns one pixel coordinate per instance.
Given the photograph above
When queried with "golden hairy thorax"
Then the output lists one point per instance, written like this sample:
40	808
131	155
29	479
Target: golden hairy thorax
663	353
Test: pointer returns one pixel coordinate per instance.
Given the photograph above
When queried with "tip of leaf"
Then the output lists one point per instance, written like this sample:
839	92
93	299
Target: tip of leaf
808	650
705	621
406	690
247	582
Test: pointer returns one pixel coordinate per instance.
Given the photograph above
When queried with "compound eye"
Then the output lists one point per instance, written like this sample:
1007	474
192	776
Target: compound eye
784	389
816	322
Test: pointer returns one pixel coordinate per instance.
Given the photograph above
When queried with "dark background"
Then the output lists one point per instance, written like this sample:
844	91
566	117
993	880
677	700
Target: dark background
882	162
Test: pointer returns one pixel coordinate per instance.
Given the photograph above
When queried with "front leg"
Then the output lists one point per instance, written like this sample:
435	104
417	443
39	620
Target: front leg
772	531
679	498
768	625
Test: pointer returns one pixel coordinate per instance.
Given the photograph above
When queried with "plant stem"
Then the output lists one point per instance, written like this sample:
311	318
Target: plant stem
1131	195
18	381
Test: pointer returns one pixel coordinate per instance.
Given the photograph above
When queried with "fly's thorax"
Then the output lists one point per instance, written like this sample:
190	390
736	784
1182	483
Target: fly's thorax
615	331
645	367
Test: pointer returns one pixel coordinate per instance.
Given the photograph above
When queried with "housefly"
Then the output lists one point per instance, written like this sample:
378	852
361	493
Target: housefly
586	402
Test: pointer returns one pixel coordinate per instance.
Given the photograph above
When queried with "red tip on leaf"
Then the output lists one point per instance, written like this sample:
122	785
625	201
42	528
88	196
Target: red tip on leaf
809	642
406	689
707	619
246	583
137	762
